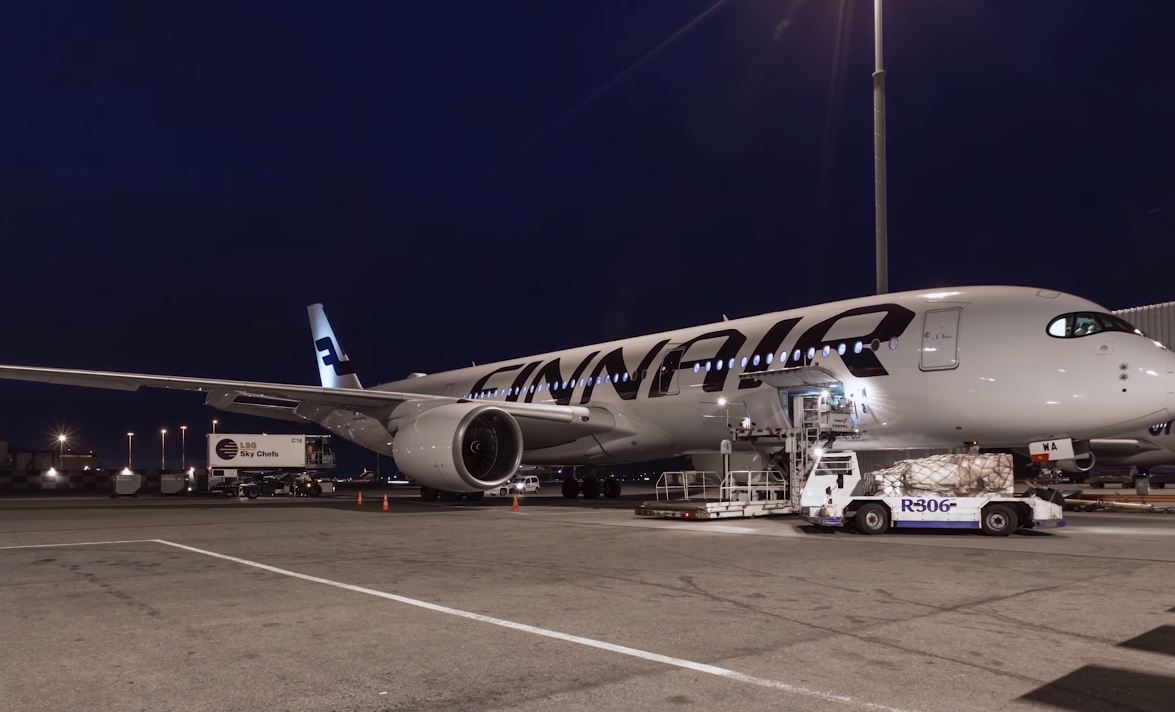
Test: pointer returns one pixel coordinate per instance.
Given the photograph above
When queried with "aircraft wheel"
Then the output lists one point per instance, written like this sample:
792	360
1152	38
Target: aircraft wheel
998	520
871	518
1098	485
570	488
611	488
475	496
428	494
591	488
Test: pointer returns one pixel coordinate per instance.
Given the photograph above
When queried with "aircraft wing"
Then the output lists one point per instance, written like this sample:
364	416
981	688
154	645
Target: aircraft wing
363	400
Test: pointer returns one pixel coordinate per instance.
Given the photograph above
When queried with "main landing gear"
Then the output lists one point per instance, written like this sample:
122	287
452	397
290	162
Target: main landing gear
428	494
591	487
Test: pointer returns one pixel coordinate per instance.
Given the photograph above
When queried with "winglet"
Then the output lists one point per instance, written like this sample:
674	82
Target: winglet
334	368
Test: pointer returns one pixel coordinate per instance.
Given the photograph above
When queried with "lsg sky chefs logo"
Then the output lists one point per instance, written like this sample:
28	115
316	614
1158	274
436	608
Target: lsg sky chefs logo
227	449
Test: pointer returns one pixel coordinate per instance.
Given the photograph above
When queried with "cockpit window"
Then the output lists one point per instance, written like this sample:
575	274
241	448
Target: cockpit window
1115	323
1071	326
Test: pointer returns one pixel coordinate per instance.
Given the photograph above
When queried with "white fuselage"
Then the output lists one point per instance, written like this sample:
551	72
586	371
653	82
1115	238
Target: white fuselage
923	369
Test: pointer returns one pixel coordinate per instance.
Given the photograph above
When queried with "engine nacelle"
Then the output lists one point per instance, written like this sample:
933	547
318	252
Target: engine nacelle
461	447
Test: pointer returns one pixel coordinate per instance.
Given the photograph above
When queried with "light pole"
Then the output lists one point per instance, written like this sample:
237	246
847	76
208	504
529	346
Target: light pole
130	438
61	438
879	197
183	447
163	449
214	422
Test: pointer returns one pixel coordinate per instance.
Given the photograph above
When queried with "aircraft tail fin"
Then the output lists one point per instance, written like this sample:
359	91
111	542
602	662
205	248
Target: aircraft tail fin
334	368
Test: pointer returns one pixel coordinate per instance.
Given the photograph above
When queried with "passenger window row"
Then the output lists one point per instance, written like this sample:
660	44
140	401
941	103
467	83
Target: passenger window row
755	361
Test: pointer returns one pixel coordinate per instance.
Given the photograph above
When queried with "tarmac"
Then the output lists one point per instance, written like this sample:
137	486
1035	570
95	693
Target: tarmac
318	604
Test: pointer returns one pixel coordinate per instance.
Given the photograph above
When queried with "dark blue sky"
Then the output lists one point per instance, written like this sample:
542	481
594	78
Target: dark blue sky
473	181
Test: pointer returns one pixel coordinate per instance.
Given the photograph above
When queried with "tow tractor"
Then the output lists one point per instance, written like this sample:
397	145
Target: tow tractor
920	493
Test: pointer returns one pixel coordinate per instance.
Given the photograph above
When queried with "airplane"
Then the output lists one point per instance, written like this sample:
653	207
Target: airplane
989	365
1151	446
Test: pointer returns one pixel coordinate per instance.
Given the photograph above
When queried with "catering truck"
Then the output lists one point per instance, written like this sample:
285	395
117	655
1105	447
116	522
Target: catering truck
251	452
236	461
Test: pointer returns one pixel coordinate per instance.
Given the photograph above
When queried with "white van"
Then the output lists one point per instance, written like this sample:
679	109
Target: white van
524	484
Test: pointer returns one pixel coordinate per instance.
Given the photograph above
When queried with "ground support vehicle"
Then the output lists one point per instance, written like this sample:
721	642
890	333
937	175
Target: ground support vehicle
521	484
836	495
1139	479
524	484
222	481
833	493
699	494
294	484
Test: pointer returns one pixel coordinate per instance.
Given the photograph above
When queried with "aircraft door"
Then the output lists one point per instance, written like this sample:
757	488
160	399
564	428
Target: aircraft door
940	340
666	383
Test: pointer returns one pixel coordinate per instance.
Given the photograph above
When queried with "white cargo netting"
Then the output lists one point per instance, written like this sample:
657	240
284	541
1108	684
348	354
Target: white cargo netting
945	475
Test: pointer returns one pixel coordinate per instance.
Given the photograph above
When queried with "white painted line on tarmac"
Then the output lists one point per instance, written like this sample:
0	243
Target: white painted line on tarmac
1121	531
772	528
81	543
547	633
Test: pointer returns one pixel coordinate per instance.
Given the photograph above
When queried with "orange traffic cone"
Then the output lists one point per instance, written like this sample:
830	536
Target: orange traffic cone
385	507
359	499
514	507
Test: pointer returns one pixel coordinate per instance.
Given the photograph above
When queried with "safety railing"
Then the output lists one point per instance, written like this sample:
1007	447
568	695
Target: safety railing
753	486
834	463
688	484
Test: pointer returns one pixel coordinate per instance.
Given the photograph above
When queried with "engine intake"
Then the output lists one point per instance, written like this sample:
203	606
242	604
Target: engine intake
459	447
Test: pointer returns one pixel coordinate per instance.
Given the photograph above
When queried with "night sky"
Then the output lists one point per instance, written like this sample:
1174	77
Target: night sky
475	181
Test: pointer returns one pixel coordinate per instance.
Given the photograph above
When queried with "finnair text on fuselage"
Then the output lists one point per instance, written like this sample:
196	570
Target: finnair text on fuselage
524	380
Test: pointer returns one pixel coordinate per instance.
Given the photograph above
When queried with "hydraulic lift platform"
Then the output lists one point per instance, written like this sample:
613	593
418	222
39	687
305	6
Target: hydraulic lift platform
819	411
740	494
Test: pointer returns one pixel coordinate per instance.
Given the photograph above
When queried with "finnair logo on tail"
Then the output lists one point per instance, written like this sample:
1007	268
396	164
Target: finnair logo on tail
330	357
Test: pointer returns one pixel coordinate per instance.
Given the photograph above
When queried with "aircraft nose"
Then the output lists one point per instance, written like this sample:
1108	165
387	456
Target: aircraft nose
1169	382
1171	392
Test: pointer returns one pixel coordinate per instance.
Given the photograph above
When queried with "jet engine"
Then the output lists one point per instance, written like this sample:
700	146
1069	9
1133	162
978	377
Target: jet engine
461	447
1084	461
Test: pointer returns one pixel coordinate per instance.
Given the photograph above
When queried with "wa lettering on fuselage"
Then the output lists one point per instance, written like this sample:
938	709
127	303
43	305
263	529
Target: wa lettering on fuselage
528	378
